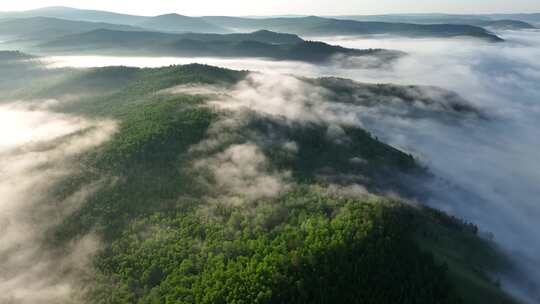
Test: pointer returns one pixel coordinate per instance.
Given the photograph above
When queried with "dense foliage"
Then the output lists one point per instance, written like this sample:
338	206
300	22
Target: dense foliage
257	44
306	247
170	236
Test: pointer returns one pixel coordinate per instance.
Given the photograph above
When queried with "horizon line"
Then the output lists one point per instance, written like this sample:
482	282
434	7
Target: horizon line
272	15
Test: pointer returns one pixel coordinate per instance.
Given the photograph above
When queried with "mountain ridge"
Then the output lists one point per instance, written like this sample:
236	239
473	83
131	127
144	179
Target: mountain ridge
261	43
46	28
309	26
174	225
179	23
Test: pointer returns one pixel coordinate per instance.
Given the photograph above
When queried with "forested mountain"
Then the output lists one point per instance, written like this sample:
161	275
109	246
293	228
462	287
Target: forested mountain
506	25
262	44
224	186
43	28
48	35
109	38
533	18
69	13
307	26
474	20
318	26
126	178
179	23
109	17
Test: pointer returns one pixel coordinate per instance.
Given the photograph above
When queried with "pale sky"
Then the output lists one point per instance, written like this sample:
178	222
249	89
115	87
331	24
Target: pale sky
282	7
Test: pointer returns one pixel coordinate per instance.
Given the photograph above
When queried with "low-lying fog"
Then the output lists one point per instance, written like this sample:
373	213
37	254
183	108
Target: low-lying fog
36	148
488	170
491	166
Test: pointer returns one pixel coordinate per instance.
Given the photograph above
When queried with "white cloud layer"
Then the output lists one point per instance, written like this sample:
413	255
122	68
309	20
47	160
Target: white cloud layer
35	154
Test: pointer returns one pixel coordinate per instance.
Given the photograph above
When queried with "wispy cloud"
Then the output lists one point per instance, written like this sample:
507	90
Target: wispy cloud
485	169
34	156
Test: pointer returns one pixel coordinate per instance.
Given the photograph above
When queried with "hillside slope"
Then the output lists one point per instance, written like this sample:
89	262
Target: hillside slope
224	186
74	14
104	38
261	44
474	20
179	23
318	26
43	29
307	26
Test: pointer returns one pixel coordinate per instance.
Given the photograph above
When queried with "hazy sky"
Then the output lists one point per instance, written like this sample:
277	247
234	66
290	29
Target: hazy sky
276	7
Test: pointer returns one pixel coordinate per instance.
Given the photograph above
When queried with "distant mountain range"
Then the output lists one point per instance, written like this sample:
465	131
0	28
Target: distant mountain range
318	26
179	23
533	18
75	31
257	44
48	35
77	15
306	26
497	22
104	38
45	28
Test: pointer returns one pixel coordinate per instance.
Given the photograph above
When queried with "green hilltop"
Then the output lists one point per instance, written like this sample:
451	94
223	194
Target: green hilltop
173	234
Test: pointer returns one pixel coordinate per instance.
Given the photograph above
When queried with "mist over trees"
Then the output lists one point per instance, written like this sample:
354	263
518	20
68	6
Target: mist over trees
201	184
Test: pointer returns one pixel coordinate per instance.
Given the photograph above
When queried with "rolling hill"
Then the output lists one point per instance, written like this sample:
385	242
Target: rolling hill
74	14
533	18
187	194
109	38
262	44
487	21
318	26
506	24
179	23
44	28
306	26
